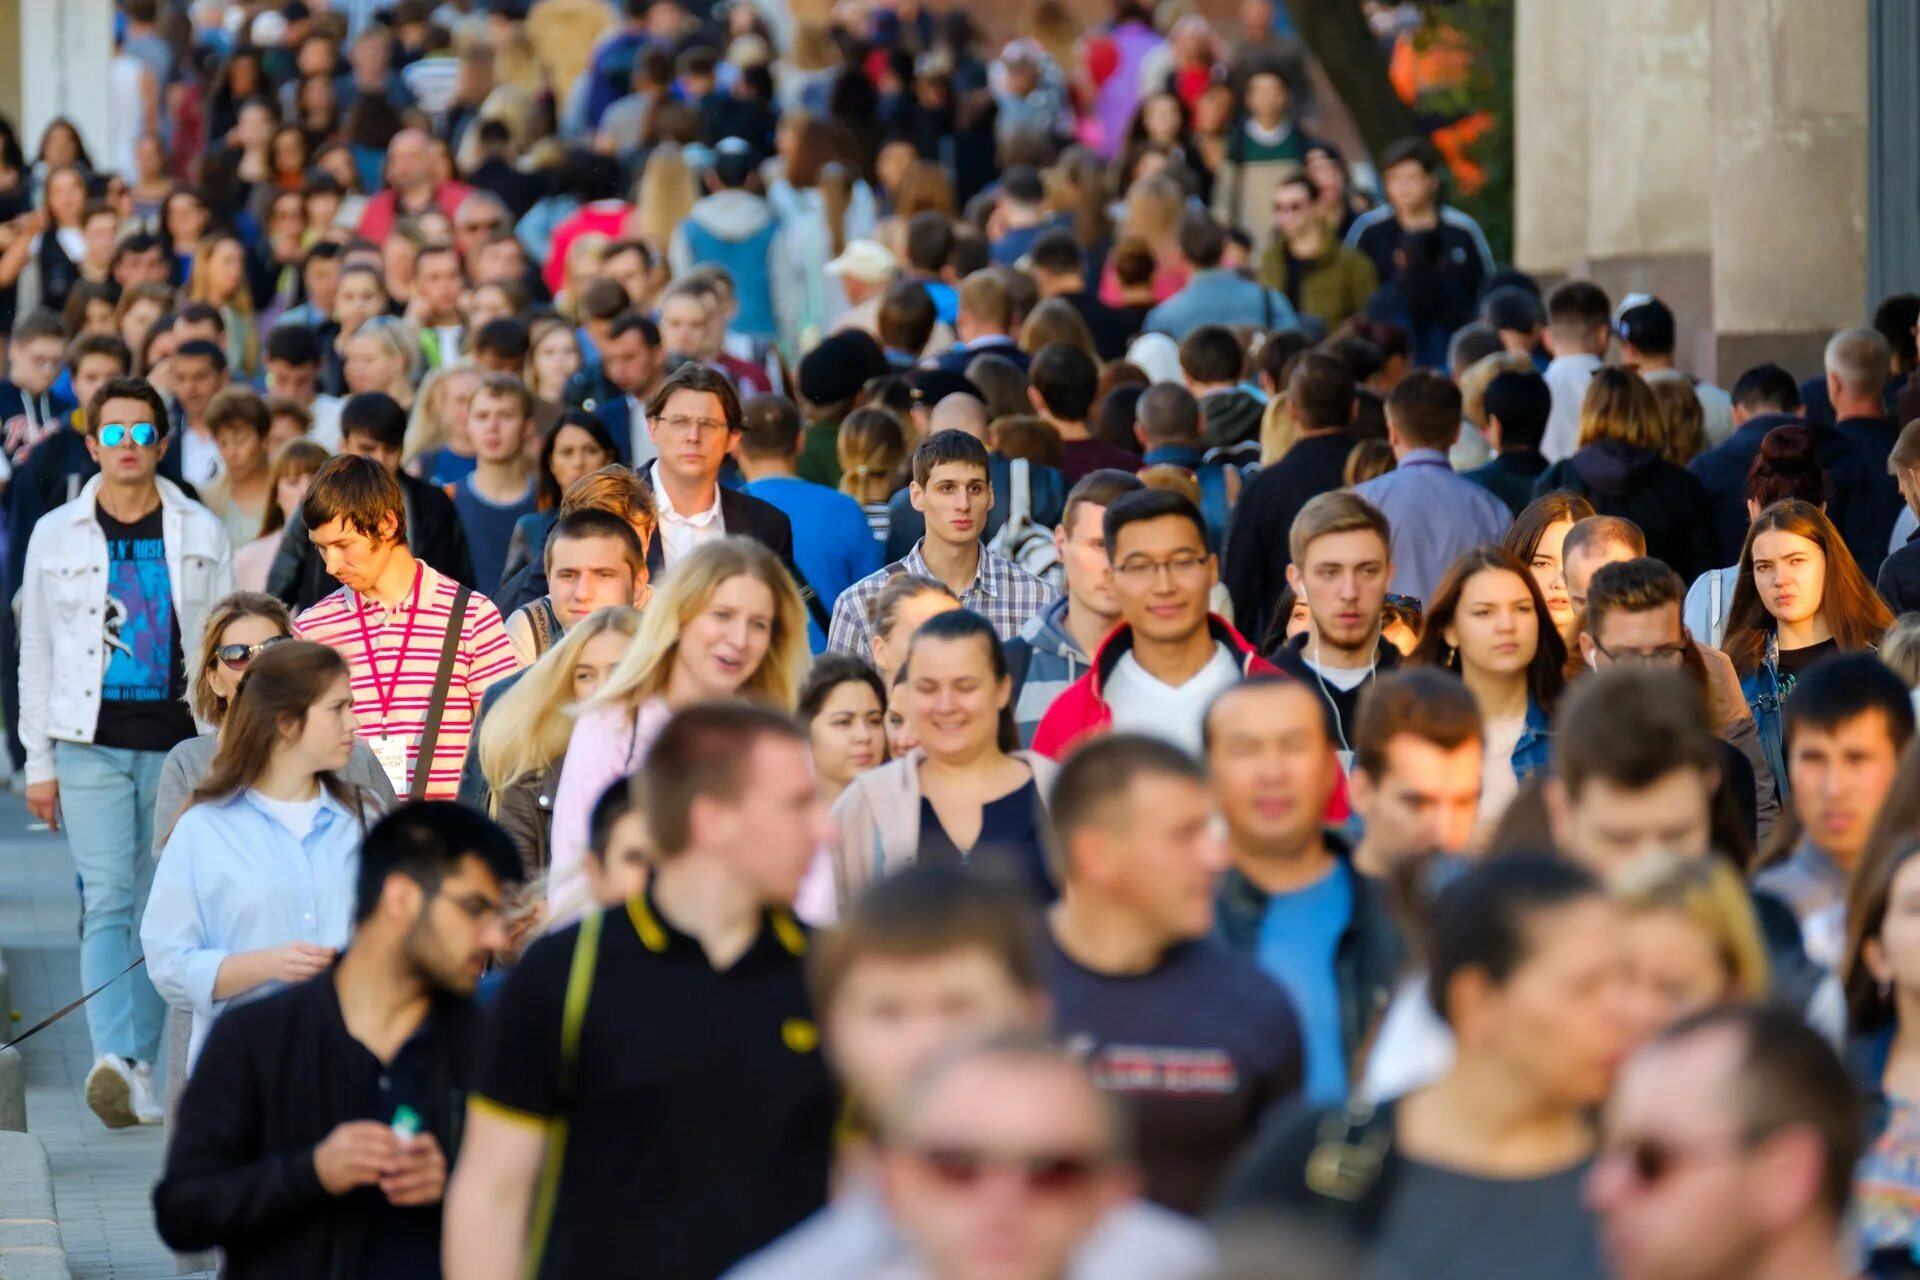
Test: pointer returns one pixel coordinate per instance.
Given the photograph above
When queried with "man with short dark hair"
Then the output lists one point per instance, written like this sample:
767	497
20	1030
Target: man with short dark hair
1645	329
1845	727
594	560
1340	563
1416	768
1159	669
1061	386
1325	280
1021	216
1435	514
631	367
1579	330
1137	982
1213	363
114	594
706	966
400	624
1733	1142
1167	423
1516	407
984	323
1764	397
1291	899
1058	265
434	309
199	371
1055	645
500	489
319	275
317	1131
29	409
1214	294
832	542
952	488
905	322
1320	402
373	425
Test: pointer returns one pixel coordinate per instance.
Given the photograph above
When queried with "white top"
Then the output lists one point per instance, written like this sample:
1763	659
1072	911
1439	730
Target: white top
680	534
295	815
326	421
199	457
1414	1047
1567	378
1497	783
1144	704
1345	679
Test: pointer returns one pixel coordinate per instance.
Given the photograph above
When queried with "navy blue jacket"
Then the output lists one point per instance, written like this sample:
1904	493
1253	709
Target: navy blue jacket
1873	508
1722	470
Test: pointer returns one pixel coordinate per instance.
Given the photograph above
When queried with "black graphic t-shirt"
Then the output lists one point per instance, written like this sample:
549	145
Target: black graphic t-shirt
143	688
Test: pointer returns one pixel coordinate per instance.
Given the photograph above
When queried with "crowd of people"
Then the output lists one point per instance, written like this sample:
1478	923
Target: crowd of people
715	640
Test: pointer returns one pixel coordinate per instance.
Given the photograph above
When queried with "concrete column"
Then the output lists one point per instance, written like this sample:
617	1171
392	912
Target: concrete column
54	61
1648	129
1553	70
1789	229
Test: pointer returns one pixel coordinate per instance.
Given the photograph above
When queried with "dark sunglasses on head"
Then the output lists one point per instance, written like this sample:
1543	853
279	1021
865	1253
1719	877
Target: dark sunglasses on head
114	434
238	656
1041	1173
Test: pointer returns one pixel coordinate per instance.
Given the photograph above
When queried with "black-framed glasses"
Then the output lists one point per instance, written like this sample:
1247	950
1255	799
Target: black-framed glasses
477	906
237	656
1667	655
114	434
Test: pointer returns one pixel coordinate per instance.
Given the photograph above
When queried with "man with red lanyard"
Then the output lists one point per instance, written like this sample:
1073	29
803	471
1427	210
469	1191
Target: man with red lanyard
422	648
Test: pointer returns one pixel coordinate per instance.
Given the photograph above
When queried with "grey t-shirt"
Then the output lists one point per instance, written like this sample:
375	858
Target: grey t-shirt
1443	1225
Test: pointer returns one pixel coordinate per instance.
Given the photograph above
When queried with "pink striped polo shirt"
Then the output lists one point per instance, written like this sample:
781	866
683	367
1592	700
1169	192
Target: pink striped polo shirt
405	678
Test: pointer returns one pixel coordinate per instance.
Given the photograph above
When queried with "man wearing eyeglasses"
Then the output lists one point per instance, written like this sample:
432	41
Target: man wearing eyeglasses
317	1131
116	589
1731	1143
1631	617
1323	278
1159	670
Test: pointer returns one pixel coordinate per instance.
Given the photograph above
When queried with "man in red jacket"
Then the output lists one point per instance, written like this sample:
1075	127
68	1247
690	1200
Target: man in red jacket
1161	669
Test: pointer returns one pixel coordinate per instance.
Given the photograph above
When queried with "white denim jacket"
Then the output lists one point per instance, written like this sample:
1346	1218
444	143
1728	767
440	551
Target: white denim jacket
63	600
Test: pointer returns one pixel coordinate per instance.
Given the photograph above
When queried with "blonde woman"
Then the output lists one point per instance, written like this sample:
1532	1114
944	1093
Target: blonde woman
1154	207
872	444
219	278
727	622
664	198
584	258
293	469
524	735
553	357
437	449
382	357
1692	939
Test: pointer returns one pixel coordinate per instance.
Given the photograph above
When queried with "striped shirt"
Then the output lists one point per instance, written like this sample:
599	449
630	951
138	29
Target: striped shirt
1001	592
391	695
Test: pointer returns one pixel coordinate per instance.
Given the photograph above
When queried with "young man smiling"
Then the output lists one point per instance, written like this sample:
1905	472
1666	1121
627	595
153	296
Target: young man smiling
952	489
399	623
116	589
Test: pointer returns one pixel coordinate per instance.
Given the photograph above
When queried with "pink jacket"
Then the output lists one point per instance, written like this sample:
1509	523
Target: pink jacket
608	743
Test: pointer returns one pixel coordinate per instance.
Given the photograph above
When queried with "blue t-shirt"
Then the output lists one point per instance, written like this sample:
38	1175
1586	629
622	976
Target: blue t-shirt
443	466
832	542
489	528
143	691
1298	938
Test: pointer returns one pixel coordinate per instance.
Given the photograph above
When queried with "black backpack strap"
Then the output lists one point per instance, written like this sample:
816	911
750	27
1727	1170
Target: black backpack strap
436	707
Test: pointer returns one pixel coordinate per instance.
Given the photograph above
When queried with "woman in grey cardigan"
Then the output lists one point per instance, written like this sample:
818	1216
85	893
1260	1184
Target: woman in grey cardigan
237	628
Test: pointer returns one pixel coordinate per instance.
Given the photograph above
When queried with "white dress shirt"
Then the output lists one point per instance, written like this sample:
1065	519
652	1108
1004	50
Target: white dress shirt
680	534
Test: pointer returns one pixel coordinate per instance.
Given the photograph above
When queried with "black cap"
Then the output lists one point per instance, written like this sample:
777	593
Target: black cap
931	386
1646	323
835	370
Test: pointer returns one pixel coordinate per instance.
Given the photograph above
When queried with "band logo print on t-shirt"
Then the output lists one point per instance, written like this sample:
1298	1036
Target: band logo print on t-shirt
138	631
1154	1069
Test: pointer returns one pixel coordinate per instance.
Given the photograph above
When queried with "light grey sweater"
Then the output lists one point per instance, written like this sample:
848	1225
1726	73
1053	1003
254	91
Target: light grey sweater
186	765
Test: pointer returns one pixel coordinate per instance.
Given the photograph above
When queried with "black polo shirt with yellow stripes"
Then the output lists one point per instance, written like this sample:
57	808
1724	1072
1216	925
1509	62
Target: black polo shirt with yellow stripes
695	1119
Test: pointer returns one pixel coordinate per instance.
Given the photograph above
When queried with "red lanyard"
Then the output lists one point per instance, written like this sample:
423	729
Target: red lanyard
385	696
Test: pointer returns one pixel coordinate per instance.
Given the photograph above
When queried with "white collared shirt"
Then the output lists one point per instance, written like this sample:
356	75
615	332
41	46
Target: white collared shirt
681	534
1567	378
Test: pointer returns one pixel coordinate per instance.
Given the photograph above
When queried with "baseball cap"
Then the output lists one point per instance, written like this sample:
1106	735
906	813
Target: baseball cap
866	260
1645	322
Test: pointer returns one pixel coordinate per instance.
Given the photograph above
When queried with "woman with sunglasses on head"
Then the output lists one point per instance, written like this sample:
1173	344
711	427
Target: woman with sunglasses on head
1488	623
1799	597
966	795
727	622
256	885
1526	969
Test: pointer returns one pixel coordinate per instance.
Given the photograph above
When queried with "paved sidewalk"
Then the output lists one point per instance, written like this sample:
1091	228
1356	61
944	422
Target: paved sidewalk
101	1179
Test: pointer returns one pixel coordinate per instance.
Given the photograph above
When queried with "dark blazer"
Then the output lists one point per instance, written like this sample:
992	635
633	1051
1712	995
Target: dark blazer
299	575
277	1076
1723	471
956	359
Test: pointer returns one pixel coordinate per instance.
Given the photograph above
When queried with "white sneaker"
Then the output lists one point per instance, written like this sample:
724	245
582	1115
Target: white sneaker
146	1103
110	1092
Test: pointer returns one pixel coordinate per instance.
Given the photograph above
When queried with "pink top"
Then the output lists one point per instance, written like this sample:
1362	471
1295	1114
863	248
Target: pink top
607	217
382	211
608	743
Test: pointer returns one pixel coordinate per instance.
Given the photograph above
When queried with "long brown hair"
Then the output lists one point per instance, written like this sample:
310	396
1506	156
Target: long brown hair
1546	674
1868	899
282	684
1853	611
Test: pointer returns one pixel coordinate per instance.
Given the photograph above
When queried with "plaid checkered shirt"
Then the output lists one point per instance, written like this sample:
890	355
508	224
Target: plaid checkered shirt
1001	592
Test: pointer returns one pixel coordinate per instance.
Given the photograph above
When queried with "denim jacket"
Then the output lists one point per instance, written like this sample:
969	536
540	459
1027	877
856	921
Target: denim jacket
1534	751
1761	688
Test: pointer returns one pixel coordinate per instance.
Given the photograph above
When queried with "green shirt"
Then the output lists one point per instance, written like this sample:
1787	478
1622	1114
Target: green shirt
820	454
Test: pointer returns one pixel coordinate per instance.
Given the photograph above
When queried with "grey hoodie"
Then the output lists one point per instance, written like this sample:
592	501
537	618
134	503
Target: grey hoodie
1044	660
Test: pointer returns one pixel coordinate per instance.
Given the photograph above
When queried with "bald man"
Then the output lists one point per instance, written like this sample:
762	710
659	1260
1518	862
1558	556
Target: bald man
413	187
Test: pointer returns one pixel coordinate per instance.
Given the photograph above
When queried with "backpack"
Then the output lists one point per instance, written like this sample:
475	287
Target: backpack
1022	539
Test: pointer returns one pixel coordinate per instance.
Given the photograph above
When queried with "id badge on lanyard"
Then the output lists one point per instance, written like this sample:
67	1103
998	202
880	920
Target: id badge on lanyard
390	748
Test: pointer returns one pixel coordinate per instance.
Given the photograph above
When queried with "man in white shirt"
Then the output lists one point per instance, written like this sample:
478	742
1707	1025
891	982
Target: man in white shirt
1579	325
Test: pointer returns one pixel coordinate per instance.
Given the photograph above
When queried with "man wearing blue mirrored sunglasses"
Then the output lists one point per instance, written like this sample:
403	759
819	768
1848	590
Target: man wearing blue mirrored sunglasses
117	586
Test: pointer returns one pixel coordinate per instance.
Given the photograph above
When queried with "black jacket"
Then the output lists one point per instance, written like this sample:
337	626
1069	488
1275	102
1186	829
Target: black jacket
1899	580
1366	961
1341	705
277	1076
299	575
1668	504
1723	471
1872	509
1510	477
1257	548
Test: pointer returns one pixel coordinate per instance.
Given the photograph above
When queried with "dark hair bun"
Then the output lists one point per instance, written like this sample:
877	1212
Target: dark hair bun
1787	466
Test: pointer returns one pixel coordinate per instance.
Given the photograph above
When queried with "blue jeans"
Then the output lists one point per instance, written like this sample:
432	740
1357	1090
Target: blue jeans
106	805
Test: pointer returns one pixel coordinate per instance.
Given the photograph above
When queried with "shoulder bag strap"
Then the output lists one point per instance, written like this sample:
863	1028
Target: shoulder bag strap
437	705
573	1016
1020	480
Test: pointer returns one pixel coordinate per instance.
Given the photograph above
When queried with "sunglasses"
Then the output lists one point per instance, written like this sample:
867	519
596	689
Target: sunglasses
238	656
114	434
1040	1173
1652	1160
